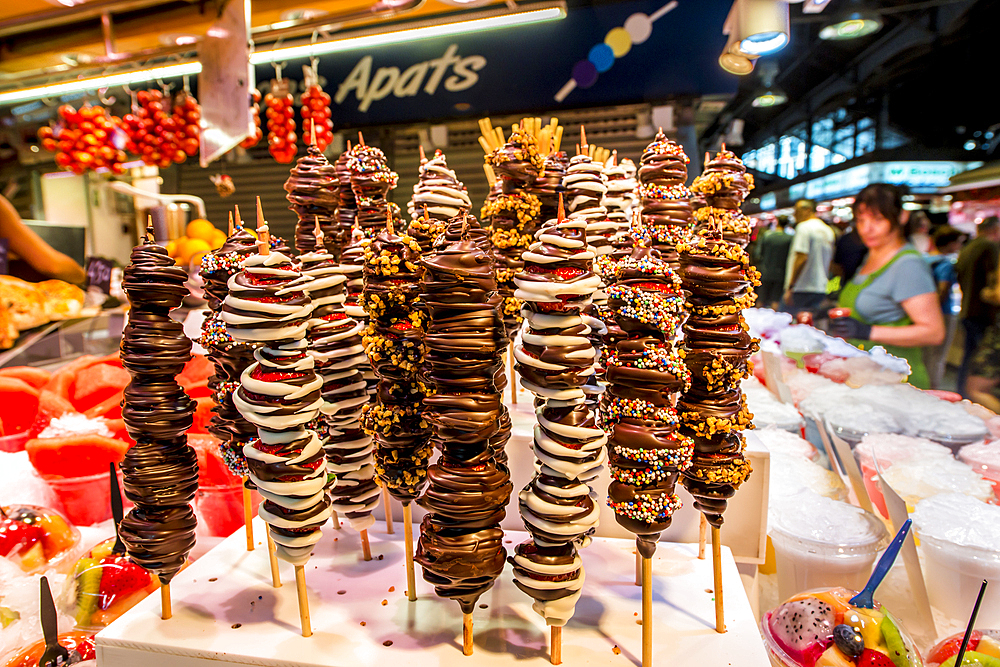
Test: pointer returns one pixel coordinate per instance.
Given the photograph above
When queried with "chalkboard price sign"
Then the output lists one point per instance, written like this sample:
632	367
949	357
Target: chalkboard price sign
99	273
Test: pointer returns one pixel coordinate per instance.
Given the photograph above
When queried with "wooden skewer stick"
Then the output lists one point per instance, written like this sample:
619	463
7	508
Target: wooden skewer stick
702	531
366	548
513	376
361	139
411	581
335	520
386	501
638	568
272	556
720	618
423	157
247	515
555	644
303	595
165	610
647	612
467	634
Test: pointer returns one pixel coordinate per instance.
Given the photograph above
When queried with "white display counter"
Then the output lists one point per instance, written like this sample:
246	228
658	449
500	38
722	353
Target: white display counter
227	613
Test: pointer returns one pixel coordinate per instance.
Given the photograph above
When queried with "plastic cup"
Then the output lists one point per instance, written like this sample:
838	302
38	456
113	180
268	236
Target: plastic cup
804	563
14	442
984	459
221	508
85	500
954	574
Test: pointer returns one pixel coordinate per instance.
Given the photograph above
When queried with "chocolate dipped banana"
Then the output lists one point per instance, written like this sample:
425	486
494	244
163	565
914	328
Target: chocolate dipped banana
161	470
666	206
313	193
437	198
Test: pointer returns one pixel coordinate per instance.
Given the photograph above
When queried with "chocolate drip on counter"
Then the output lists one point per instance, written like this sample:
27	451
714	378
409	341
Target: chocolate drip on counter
313	189
461	545
718	281
645	372
160	471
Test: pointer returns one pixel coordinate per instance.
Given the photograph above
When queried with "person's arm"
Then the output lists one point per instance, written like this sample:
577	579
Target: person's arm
927	328
980	390
30	247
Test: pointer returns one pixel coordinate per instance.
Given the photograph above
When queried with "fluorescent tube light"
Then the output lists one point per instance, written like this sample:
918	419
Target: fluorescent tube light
507	20
95	83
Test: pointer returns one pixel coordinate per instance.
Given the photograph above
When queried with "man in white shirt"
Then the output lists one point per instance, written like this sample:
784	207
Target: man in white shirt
808	267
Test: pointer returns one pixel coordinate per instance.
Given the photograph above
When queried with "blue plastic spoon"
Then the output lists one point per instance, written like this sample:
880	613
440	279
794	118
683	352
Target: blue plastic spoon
866	598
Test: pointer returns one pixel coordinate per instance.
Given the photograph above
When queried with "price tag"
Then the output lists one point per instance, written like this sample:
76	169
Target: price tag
99	273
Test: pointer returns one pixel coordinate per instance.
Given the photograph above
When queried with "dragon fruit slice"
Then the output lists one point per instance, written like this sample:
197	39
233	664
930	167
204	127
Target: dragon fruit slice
803	629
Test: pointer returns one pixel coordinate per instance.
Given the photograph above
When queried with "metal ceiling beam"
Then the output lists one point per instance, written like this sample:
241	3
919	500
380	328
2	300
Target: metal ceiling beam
52	18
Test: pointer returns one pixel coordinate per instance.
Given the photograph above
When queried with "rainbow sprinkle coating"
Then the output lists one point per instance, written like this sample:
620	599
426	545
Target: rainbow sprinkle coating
621	408
649	509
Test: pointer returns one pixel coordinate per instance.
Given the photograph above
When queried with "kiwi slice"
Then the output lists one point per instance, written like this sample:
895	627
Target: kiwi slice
8	616
88	585
898	652
973	658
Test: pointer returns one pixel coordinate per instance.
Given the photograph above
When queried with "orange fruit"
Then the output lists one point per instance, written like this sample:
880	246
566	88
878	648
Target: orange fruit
218	238
189	249
201	229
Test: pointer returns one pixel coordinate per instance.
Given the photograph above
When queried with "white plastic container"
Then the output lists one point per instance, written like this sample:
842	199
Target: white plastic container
823	543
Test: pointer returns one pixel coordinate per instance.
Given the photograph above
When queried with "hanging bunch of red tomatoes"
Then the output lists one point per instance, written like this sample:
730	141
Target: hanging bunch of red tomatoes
316	109
281	139
85	140
161	138
255	138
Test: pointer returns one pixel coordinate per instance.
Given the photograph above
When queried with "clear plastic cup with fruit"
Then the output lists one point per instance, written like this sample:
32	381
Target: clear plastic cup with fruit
79	645
106	585
821	628
983	650
36	538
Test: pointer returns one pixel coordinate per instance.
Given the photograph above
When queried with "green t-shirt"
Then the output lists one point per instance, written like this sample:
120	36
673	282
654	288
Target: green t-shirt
909	276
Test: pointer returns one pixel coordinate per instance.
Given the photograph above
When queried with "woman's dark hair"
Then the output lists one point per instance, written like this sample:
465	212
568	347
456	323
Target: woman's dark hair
884	199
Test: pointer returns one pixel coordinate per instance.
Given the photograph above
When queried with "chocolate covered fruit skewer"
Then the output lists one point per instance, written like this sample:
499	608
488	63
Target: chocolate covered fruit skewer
556	360
313	191
280	393
394	343
229	357
666	206
437	198
161	470
461	544
718	281
645	372
335	345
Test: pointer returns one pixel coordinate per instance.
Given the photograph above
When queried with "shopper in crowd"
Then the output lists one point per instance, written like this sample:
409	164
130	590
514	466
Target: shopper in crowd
947	241
983	383
29	256
771	260
893	301
808	265
848	255
918	231
975	265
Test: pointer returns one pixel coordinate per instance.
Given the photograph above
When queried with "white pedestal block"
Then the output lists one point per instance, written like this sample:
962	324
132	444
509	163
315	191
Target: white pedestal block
225	612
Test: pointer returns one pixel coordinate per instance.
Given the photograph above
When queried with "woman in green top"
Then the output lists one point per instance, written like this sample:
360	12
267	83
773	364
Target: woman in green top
893	298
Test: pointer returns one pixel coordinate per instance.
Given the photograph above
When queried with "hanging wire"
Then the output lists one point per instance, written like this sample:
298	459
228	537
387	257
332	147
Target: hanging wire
107	100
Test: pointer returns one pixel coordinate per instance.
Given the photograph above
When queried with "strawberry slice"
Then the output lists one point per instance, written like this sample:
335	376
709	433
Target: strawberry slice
120	578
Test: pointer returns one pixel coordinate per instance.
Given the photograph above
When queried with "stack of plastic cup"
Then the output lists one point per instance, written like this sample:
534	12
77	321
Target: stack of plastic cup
984	457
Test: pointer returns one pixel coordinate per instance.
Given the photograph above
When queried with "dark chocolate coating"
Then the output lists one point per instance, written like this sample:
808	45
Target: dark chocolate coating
313	191
160	471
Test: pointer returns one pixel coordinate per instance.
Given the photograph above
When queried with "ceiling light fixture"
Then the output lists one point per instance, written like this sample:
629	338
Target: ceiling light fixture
857	21
456	26
477	22
763	26
771	95
96	83
734	60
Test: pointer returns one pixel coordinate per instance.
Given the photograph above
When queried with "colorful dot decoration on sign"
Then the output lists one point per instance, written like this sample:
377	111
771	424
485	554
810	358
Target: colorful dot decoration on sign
617	43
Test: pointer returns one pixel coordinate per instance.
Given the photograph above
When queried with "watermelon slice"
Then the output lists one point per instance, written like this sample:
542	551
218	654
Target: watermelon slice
195	371
63	379
98	383
202	414
18	404
198	389
117	426
211	469
75	455
36	377
110	408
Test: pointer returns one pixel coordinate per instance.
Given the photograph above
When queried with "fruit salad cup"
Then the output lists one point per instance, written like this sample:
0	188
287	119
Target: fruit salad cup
79	645
821	628
106	586
983	650
34	537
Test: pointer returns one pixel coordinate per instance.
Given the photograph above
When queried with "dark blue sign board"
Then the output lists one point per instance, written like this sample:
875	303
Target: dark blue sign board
628	52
